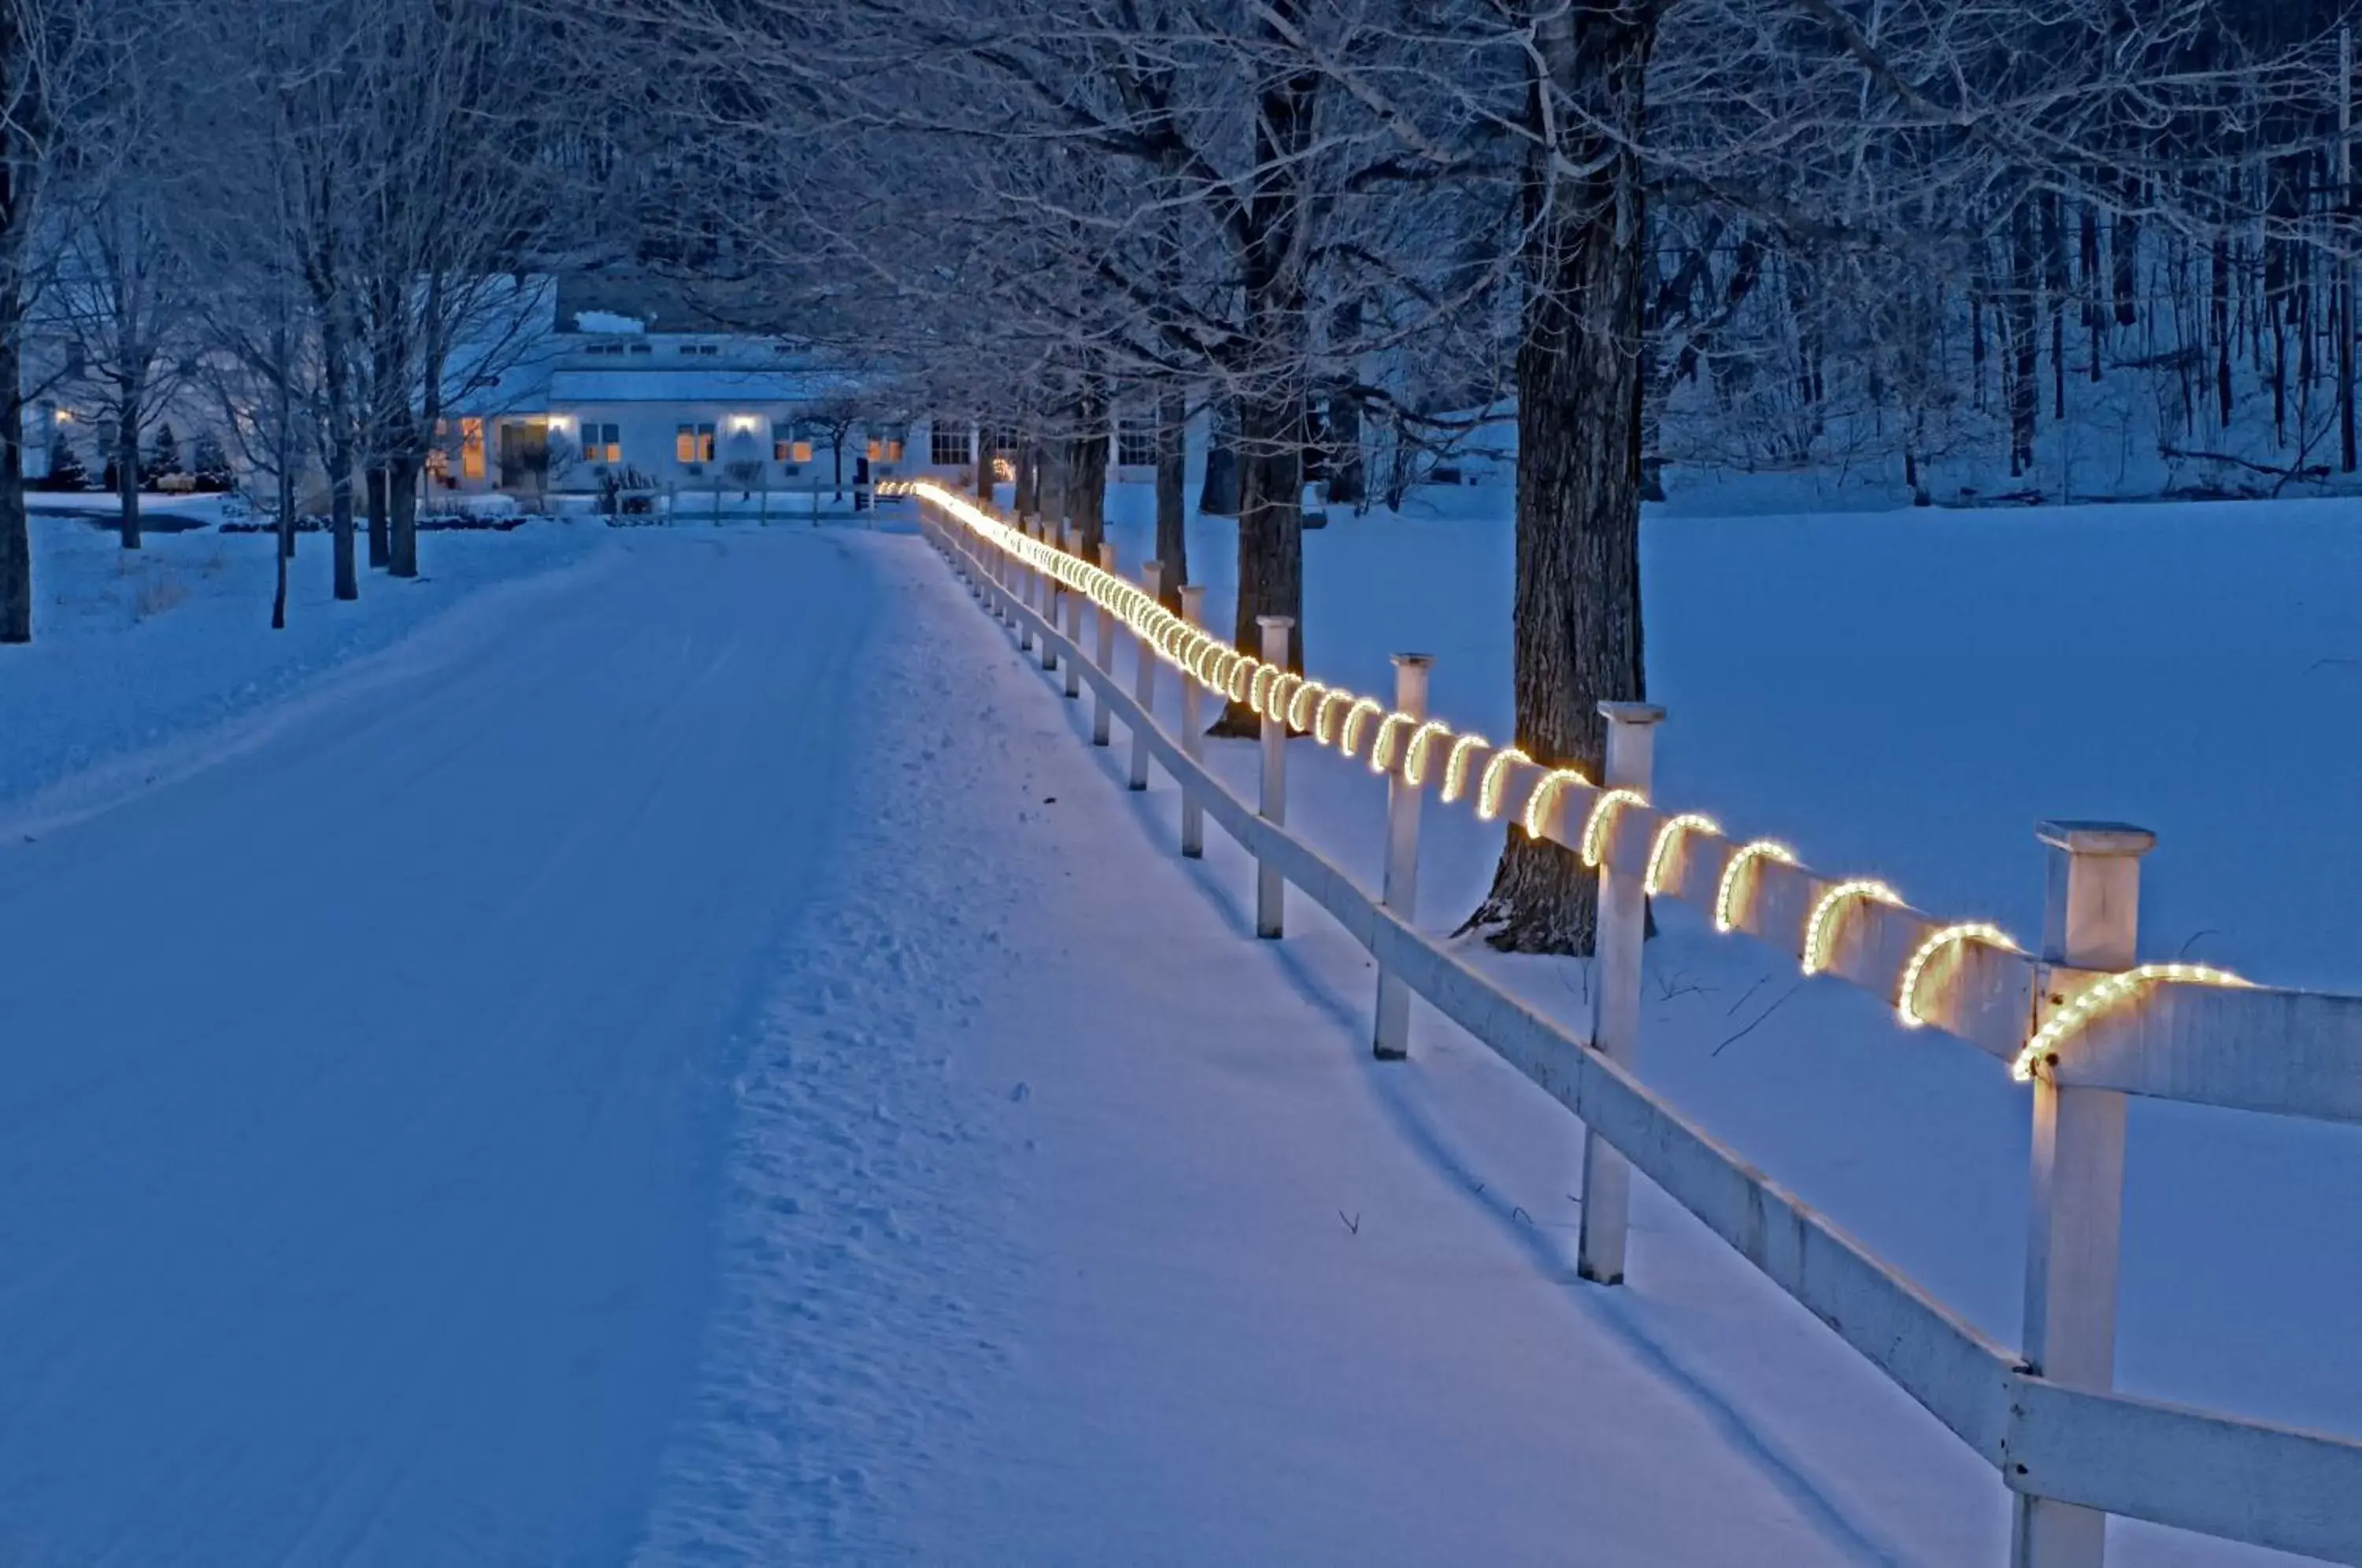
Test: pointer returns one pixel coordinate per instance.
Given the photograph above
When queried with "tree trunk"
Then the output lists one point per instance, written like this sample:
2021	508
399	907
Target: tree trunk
15	537
338	377
401	477
1050	488
1271	537
1087	486
1171	479
286	542
1218	493
1348	475
1024	495
1277	396
381	533
2025	391
1577	627
126	462
984	464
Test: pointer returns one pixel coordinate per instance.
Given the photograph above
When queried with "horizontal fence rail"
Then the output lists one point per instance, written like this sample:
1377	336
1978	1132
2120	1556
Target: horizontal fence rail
2071	1448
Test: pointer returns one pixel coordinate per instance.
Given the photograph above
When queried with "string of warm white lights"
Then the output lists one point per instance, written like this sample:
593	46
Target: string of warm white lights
1660	854
1455	766
1545	794
1335	716
1496	782
1906	995
2105	996
1725	900
1415	752
1821	926
1603	815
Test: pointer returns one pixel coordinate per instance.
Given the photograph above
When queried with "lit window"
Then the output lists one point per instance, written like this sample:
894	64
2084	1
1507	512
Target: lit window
471	449
948	449
601	443
693	444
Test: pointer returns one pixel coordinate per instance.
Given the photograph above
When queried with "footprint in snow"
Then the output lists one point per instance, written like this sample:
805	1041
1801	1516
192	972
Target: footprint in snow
1020	1094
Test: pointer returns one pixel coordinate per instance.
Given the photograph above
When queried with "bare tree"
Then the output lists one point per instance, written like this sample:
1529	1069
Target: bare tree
43	46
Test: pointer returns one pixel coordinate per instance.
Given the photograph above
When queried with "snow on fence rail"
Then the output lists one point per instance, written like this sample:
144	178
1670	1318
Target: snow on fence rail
2078	1019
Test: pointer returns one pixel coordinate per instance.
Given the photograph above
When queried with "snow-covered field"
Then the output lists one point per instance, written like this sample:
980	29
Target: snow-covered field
686	1058
133	648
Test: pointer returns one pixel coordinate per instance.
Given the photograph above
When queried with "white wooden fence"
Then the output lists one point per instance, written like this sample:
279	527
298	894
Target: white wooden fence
2069	1447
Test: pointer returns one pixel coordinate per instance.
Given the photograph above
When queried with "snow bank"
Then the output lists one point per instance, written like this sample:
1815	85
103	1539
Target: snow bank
134	649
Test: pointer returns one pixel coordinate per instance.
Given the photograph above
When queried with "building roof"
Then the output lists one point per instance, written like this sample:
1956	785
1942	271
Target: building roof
714	383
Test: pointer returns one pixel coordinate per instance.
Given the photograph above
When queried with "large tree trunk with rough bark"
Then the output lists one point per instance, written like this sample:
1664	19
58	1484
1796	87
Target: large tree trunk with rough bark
1217	492
1271	537
984	437
1275	397
1577	632
1171	479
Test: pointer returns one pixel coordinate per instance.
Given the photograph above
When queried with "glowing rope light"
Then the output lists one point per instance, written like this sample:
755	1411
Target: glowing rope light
1545	795
1602	816
1324	724
1906	995
1422	739
1275	696
1821	926
1455	766
1660	854
1725	918
1314	707
2104	996
1300	706
1496	780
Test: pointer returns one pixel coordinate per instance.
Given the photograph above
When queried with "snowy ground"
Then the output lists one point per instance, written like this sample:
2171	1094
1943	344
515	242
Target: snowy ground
687	1058
134	648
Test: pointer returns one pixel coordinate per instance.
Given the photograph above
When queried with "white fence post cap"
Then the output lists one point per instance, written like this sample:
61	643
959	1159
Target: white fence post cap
1632	712
1414	660
2096	838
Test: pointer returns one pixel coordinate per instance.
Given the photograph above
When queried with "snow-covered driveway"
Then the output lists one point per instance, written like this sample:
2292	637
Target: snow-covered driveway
699	1064
365	1095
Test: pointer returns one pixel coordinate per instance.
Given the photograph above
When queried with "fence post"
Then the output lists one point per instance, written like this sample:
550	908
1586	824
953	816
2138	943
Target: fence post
1616	994
1390	1039
1271	887
1193	731
1143	680
1074	625
1024	594
1050	594
2091	915
1103	653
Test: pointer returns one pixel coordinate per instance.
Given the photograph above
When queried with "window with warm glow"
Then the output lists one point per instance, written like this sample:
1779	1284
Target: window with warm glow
601	443
948	448
471	449
693	444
